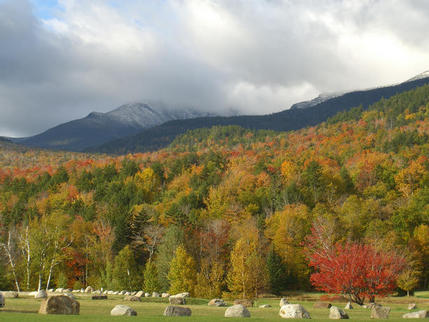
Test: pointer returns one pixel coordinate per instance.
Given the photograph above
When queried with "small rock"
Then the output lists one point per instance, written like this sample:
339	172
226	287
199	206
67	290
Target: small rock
89	289
140	294
380	312
59	290
336	313
132	298
217	302
322	305
120	310
175	300
412	306
237	311
417	315
265	306
348	306
177	311
10	294
127	294
99	297
294	311
41	295
1	300
155	294
122	292
244	302
283	301
146	294
165	295
59	304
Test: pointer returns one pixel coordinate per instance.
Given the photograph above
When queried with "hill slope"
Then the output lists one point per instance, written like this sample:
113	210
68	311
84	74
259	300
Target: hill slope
292	119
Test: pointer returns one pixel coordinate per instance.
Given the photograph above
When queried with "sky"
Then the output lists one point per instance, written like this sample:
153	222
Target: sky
62	59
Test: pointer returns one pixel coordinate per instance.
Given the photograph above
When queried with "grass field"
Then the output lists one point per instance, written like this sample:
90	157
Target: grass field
25	309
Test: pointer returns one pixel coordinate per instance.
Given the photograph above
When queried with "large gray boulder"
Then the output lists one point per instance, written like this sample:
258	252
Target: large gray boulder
41	295
60	304
1	300
423	314
294	311
120	310
184	294
177	311
336	313
176	300
283	301
217	302
237	311
380	312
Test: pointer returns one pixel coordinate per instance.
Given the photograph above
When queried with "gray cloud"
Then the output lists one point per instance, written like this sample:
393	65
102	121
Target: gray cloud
256	56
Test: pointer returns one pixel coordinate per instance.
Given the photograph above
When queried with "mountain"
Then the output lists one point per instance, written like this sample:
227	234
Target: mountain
98	128
308	114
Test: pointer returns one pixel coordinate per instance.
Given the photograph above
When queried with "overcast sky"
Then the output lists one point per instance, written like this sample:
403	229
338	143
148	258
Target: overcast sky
61	59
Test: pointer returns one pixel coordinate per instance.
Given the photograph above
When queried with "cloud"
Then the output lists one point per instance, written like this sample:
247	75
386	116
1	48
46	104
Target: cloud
255	56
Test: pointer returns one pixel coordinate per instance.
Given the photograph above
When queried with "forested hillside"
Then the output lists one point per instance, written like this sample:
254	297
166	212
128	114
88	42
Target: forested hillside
233	202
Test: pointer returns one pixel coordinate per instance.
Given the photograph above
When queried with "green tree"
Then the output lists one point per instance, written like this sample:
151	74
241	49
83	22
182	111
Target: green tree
182	274
151	283
276	272
125	272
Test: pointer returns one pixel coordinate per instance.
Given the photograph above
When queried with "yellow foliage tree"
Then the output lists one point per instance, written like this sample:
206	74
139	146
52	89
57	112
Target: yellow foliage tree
182	274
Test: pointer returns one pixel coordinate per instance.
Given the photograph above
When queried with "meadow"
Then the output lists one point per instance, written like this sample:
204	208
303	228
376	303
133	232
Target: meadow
25	309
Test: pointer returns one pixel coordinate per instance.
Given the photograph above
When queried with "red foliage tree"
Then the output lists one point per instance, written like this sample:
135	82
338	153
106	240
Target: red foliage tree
357	270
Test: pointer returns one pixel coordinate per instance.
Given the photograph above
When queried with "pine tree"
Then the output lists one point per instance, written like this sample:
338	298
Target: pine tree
182	274
151	283
125	272
276	272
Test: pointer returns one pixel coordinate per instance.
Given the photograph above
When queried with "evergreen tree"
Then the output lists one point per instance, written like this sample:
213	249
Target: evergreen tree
182	274
125	272
151	283
276	272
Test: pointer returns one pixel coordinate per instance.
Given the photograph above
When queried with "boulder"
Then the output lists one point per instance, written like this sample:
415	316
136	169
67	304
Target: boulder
59	304
237	311
1	300
380	312
371	305
132	298
10	294
322	305
336	313
348	306
110	292
59	290
283	301
184	294
412	306
140	294
41	295
70	295
165	295
217	302
122	292
175	300
146	294
99	297
155	294
294	311
89	289
423	314
120	310
244	302
177	311
265	306
127	294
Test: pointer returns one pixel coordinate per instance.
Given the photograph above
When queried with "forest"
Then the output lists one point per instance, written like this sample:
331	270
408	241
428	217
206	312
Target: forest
226	211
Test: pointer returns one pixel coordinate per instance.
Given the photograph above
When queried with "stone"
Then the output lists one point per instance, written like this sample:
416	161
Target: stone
237	311
155	294
140	294
110	292
294	311
10	294
371	305
59	304
244	302
348	306
380	312
423	314
70	295
59	290
120	310
283	301
127	293
322	305
265	306
165	295
217	302
146	294
2	303
122	292
336	313
132	298
177	311
184	294
175	300
412	306
41	295
89	289
99	297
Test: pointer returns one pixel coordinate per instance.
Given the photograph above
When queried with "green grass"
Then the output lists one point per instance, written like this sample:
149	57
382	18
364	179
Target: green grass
25	309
